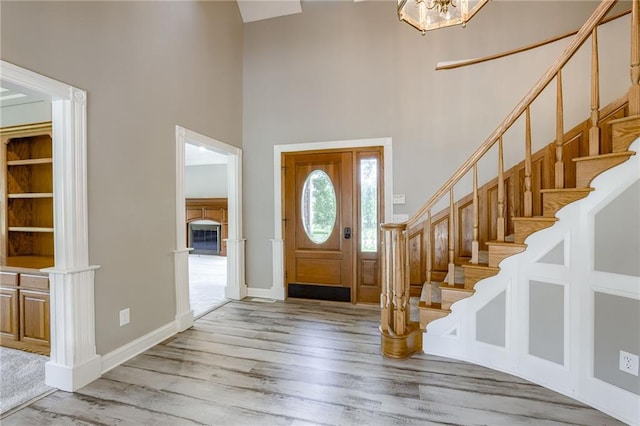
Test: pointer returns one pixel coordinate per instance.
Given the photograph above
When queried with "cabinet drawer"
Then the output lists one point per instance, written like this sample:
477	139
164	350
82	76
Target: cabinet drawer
9	278
37	282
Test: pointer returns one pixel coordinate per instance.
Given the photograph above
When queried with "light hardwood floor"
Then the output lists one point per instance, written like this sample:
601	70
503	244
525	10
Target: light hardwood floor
299	363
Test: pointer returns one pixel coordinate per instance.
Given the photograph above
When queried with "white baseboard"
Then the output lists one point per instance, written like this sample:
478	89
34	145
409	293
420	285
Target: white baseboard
266	293
70	379
136	347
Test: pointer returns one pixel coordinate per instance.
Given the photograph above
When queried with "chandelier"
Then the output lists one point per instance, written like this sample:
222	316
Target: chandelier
425	15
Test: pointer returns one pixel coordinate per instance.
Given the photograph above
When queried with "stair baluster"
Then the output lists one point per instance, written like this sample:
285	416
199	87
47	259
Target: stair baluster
594	131
634	90
559	133
500	222
452	236
528	196
475	244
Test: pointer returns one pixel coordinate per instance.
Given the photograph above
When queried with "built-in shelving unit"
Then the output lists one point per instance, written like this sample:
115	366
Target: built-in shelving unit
27	195
27	229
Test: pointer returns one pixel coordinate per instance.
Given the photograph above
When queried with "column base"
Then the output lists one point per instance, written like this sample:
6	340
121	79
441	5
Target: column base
71	379
401	346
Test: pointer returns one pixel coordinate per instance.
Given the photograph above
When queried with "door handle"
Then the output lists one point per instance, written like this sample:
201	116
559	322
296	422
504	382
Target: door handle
347	233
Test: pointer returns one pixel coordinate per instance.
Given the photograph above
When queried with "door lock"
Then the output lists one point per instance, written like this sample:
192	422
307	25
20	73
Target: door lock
347	233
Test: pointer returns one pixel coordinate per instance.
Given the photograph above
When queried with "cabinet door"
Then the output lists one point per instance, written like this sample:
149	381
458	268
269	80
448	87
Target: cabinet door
9	313
34	317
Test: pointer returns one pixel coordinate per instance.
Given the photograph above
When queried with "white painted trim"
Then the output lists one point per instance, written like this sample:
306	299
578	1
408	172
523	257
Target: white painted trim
72	313
575	377
277	286
137	346
236	286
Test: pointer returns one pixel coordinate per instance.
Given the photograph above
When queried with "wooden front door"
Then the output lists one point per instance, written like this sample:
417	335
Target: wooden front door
327	255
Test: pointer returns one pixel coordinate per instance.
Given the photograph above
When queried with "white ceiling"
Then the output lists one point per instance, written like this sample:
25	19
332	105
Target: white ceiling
9	96
195	155
257	10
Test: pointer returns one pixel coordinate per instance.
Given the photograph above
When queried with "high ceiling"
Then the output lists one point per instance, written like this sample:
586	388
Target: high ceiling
257	10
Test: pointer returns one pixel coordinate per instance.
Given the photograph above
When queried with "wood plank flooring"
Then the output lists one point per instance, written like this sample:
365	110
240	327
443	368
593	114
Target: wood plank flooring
299	363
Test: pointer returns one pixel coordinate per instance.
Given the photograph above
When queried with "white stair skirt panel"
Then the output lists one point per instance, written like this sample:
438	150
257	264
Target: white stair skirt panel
73	361
559	260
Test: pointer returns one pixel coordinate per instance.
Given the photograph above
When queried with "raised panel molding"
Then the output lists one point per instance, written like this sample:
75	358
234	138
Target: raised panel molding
572	240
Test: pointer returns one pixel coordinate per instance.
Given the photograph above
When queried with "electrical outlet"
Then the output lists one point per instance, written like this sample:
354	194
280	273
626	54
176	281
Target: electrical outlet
124	317
629	363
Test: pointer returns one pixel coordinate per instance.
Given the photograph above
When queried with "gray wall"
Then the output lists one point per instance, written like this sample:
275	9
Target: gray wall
546	321
616	329
147	66
491	321
617	234
345	70
208	181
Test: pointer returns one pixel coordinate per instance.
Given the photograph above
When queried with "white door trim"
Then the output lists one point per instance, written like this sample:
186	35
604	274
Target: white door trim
73	362
236	286
277	243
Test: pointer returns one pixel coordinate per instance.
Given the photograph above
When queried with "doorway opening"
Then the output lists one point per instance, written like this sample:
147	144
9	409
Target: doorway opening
209	260
206	191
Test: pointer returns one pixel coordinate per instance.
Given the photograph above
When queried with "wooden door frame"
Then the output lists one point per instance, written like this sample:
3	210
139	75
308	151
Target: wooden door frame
236	287
277	290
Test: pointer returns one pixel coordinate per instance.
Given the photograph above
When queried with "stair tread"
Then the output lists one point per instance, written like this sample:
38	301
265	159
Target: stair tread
505	243
561	190
602	156
623	119
536	218
480	266
456	288
433	307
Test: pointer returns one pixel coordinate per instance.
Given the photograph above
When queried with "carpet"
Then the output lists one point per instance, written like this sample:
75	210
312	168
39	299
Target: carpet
21	378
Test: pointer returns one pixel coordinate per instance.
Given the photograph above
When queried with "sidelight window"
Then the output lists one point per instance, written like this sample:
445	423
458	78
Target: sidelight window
369	204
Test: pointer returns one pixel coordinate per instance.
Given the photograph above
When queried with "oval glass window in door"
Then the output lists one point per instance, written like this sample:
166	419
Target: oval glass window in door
318	206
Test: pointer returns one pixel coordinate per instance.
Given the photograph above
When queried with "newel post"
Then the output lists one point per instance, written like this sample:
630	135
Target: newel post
399	337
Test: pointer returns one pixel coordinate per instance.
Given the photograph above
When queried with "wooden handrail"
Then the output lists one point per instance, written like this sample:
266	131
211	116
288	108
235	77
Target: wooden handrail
581	36
466	62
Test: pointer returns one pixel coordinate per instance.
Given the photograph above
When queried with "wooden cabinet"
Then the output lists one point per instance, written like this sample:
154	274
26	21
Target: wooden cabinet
26	218
26	231
24	311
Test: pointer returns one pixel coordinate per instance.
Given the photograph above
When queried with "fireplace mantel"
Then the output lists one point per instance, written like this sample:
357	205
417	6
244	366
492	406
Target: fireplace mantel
214	209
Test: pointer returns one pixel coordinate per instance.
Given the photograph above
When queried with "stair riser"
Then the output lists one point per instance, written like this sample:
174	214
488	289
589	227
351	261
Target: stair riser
498	253
525	228
587	170
624	132
449	297
429	315
473	275
554	201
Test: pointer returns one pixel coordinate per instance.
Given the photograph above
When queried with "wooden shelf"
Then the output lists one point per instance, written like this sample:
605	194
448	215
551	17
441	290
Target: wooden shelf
29	229
30	162
26	234
32	195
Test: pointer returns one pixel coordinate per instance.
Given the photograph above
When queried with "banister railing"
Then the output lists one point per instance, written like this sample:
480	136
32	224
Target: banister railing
395	280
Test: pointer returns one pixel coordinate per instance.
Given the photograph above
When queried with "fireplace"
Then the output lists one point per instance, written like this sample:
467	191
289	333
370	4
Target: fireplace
204	237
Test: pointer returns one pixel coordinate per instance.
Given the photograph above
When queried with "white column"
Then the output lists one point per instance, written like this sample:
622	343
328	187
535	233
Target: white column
74	362
184	314
277	287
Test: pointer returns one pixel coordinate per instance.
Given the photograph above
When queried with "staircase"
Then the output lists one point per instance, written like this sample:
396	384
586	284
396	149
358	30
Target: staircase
437	297
456	247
